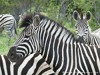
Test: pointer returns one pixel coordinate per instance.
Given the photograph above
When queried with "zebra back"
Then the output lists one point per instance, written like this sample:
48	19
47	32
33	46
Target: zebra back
33	64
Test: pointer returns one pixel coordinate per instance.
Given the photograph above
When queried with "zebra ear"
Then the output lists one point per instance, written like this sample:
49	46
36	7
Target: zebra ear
76	15
36	20
88	15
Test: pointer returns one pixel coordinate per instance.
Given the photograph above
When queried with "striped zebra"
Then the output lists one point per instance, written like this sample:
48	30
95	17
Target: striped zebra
57	45
8	23
33	64
97	32
83	29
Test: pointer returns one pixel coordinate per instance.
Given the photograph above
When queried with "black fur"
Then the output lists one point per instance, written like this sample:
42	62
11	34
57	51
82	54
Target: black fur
88	15
75	14
81	15
26	20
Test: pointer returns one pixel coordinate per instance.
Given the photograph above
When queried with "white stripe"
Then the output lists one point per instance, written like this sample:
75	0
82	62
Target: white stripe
79	60
49	72
4	65
53	55
67	53
49	42
32	69
42	28
47	32
43	66
46	25
90	52
83	59
59	39
23	47
12	68
24	63
71	65
63	41
75	49
97	57
90	61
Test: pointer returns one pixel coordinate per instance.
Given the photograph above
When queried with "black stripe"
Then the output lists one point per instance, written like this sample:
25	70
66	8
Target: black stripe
1	65
29	64
4	18
16	66
6	21
44	70
39	63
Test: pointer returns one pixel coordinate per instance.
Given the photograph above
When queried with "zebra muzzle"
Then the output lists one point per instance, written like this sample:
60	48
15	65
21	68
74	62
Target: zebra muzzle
12	54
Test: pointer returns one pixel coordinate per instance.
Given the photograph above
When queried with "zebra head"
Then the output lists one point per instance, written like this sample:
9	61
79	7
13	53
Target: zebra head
27	42
82	26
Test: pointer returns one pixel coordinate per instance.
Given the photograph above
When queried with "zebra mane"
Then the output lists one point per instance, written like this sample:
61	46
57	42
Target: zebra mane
60	25
26	20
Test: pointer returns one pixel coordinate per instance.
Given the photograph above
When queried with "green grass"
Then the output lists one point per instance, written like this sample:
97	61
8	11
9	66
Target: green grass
4	48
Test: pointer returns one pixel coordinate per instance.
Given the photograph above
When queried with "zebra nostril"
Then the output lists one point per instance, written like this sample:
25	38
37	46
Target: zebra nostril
12	55
20	56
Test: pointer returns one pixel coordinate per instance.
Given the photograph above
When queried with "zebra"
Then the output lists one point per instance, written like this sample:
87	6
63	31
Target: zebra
58	47
83	29
33	64
97	32
8	23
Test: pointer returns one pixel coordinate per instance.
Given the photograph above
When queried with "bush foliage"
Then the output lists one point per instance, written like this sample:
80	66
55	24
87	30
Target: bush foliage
58	10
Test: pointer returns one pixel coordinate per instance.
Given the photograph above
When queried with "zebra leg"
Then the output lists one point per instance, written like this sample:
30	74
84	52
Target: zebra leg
9	37
1	29
14	33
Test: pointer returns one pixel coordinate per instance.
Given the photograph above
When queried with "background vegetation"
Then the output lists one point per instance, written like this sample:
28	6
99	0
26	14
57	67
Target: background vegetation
58	10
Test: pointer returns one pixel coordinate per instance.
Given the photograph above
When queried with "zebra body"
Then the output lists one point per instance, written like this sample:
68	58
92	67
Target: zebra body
97	32
33	64
58	47
83	29
8	23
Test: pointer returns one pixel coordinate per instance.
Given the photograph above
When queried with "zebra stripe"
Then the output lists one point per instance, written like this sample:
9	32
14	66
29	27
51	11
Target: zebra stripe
83	29
59	48
97	32
8	23
33	64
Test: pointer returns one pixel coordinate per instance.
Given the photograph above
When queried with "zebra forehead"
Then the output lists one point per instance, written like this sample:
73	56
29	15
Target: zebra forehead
81	15
82	22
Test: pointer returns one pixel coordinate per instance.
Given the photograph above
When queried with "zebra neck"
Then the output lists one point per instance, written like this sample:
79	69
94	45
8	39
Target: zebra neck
49	29
54	39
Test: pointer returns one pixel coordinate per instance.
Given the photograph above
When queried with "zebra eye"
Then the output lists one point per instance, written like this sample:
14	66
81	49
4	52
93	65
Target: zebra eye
28	34
86	30
86	26
35	28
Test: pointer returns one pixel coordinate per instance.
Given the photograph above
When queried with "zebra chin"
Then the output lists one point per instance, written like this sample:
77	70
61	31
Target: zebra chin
12	55
80	39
